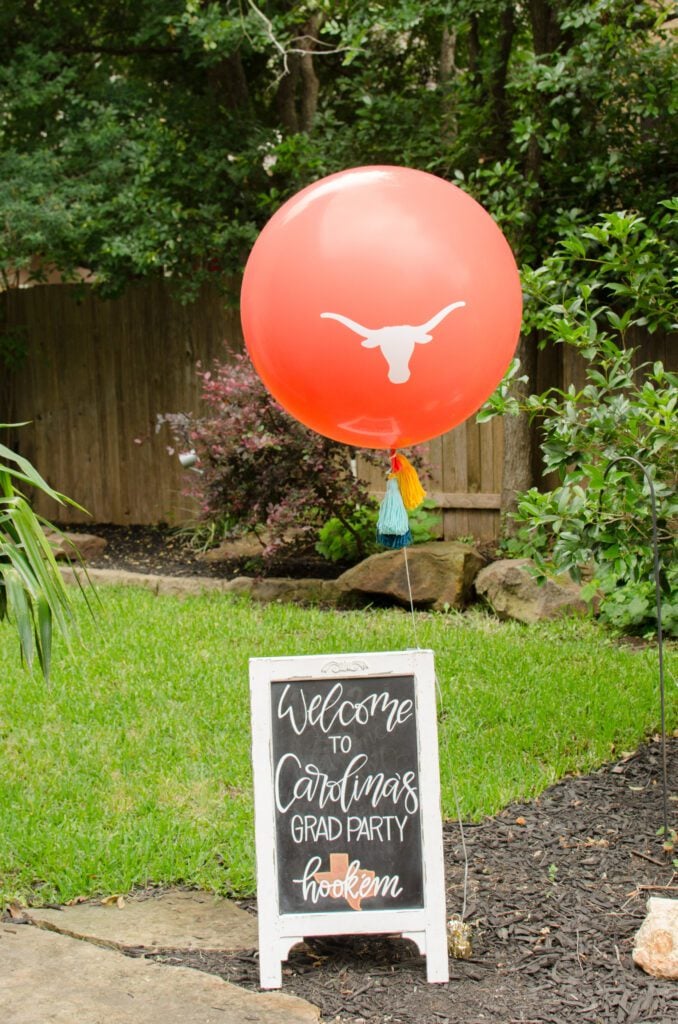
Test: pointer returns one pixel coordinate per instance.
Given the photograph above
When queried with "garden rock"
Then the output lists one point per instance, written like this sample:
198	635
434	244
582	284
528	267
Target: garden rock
512	592
309	591
74	547
181	586
441	576
239	547
656	945
303	591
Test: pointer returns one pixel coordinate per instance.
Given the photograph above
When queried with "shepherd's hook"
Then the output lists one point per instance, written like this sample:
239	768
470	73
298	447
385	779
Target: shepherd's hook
660	636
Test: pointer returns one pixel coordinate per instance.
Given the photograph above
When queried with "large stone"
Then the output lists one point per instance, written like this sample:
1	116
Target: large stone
75	547
172	920
441	575
656	945
512	592
47	978
238	547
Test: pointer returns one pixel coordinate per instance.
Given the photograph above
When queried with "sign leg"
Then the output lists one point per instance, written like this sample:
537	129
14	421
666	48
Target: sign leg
270	967
437	963
271	956
432	944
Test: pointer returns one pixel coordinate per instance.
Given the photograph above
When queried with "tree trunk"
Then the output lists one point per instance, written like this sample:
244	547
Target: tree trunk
497	83
520	439
474	49
228	83
285	99
546	31
298	111
448	51
446	72
310	86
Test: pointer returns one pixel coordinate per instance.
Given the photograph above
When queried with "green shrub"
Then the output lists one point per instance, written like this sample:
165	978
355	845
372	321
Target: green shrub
604	283
338	544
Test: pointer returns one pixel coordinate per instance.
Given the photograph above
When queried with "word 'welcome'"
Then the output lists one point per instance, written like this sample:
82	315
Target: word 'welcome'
332	710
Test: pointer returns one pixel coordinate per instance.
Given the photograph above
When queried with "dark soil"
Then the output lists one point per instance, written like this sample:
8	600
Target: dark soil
162	550
556	890
158	549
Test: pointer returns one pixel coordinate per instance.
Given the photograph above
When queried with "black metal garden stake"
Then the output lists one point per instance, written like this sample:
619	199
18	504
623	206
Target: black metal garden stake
660	637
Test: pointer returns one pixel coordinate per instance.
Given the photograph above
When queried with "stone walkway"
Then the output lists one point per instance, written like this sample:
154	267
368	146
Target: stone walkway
69	966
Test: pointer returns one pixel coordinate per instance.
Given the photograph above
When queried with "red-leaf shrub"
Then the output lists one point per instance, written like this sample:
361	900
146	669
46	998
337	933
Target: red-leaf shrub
263	471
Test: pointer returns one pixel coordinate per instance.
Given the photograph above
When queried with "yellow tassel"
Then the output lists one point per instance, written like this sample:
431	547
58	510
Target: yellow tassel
409	484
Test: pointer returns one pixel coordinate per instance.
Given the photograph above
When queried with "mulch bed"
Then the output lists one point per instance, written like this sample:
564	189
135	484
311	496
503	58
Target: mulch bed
158	549
556	890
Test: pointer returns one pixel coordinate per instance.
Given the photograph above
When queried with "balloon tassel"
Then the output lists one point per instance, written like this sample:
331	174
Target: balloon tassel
408	482
393	530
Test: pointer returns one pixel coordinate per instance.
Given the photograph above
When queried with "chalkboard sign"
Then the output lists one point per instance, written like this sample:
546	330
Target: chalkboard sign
347	802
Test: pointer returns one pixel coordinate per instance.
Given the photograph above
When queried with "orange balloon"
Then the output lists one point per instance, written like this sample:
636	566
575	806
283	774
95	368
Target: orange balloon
381	306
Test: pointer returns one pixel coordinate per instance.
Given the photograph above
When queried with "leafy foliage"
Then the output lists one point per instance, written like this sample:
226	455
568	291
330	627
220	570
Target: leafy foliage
263	471
157	137
605	281
32	592
339	544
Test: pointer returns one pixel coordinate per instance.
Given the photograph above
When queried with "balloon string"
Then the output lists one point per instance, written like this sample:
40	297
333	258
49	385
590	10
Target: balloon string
409	591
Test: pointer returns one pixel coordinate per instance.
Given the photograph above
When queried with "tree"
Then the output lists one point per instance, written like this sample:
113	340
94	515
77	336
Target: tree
157	137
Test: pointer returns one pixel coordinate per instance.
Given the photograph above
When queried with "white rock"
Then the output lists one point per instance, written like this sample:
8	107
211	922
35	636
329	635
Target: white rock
656	945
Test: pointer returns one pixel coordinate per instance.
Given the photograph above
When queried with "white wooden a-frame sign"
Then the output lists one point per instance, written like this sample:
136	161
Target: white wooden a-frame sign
347	803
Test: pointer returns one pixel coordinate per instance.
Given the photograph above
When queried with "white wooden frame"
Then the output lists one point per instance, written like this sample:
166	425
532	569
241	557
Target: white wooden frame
426	926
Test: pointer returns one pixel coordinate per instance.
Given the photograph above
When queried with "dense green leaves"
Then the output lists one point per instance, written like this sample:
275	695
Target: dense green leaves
604	282
115	153
157	137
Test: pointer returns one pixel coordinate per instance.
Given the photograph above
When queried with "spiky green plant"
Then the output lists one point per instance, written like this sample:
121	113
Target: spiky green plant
32	592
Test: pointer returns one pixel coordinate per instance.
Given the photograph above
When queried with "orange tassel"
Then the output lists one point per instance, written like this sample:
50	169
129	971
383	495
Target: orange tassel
409	484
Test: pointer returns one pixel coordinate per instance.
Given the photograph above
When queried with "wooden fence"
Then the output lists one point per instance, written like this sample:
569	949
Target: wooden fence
97	375
465	468
99	372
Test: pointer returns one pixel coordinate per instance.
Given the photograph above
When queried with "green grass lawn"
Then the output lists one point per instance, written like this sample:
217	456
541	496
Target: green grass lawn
133	766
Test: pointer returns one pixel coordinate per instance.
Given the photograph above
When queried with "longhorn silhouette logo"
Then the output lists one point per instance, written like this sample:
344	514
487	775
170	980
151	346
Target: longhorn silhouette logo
396	343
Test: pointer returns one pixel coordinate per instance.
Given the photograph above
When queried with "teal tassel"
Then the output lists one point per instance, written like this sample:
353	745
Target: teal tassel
391	540
392	512
393	530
